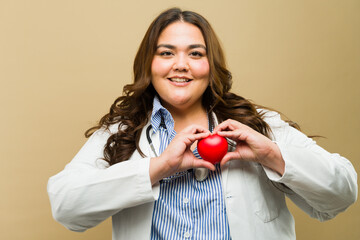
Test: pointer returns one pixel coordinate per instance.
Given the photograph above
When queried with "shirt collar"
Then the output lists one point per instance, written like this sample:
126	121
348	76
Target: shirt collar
160	114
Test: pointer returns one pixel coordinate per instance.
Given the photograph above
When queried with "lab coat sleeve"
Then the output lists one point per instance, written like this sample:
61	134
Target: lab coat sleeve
88	191
321	183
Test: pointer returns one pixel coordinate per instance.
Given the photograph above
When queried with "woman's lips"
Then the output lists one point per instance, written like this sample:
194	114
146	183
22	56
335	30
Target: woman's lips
179	80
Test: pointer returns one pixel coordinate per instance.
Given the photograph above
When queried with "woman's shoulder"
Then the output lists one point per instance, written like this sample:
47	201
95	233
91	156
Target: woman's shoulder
107	130
272	118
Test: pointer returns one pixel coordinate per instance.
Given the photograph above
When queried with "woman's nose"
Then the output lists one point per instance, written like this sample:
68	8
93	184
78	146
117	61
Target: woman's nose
181	63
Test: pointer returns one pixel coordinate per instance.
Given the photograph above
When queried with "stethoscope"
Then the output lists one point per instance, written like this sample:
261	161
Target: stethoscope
200	173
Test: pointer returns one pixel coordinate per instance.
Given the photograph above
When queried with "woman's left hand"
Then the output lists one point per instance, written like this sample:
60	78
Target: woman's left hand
250	146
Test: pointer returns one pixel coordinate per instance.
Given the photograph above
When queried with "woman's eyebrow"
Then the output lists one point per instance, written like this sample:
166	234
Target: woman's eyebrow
166	46
173	47
197	46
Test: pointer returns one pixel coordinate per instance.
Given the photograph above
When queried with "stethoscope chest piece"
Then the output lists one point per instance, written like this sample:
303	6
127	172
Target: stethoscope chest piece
201	174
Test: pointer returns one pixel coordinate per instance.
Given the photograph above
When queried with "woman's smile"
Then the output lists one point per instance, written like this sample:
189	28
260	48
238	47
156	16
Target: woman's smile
179	79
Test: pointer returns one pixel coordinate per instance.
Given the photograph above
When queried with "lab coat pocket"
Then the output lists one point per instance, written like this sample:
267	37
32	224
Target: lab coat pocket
265	197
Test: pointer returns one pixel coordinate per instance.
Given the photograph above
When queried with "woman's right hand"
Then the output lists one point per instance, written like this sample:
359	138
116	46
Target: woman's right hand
178	155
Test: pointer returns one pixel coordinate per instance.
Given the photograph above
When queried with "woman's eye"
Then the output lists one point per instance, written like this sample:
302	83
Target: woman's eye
166	53
196	54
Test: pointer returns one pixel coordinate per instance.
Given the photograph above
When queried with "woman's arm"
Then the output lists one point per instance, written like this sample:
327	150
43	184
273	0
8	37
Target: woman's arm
323	184
87	191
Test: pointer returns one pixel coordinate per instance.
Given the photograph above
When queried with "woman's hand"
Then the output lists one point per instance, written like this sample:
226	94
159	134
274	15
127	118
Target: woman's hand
178	156
250	146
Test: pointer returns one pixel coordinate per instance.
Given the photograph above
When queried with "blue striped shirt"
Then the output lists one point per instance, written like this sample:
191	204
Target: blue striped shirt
186	208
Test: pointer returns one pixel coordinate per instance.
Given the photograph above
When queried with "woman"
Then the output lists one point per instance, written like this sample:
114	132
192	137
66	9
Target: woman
141	167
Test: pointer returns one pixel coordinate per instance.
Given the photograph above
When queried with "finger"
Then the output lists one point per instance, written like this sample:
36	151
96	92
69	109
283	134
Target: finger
199	163
229	133
234	135
228	125
189	138
223	126
229	156
199	136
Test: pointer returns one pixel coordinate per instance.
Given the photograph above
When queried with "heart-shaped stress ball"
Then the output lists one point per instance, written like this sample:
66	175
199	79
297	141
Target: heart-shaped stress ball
212	148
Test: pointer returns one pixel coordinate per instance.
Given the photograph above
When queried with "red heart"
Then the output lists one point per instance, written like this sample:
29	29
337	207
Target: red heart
212	148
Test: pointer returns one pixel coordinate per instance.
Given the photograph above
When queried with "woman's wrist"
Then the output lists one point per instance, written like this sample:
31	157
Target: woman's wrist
158	169
275	160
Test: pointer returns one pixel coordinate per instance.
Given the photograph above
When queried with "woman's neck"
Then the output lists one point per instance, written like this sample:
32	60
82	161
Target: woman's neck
185	117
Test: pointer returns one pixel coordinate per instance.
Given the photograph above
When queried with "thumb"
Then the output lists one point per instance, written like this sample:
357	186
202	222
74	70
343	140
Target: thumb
229	156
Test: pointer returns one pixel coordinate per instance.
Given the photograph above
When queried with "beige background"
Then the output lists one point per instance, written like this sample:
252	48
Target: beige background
63	62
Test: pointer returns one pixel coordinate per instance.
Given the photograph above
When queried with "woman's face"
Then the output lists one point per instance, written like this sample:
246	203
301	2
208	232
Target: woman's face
180	67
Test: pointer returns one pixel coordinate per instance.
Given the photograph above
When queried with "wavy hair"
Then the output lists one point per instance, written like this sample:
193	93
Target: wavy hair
133	109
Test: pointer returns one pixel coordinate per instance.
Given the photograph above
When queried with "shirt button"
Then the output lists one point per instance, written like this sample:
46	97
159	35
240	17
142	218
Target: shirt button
186	200
187	234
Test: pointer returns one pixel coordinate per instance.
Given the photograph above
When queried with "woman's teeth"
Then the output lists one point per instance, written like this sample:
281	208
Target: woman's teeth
179	80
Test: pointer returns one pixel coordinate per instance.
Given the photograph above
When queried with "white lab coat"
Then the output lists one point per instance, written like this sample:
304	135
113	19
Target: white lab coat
87	191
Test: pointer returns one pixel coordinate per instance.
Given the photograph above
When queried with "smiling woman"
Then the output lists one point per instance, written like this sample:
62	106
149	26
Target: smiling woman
140	165
133	110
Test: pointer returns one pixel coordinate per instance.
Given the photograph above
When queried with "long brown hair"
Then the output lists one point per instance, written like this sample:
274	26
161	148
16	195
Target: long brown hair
133	109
